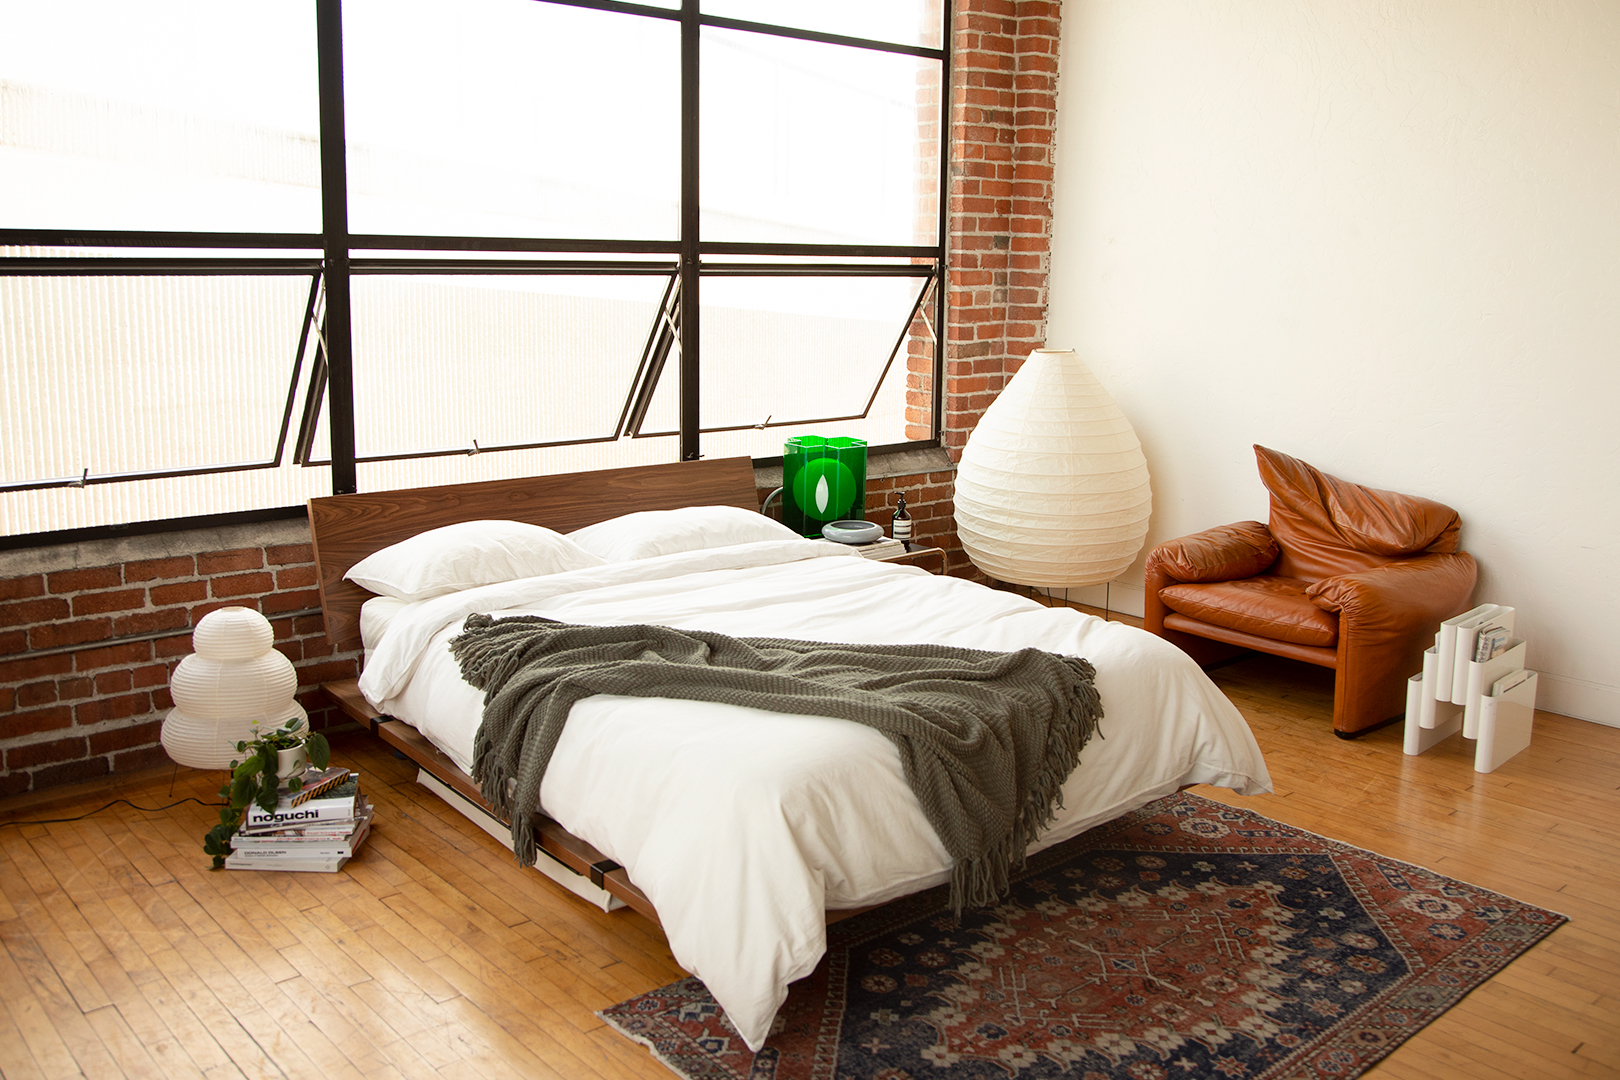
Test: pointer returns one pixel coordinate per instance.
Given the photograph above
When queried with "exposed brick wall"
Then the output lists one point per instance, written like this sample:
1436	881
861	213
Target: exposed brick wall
1003	118
1003	115
86	654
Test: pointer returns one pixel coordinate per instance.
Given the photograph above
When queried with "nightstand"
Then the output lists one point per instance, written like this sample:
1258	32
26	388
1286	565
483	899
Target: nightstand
931	559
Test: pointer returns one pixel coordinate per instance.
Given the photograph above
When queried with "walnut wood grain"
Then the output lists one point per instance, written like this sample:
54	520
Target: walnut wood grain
347	528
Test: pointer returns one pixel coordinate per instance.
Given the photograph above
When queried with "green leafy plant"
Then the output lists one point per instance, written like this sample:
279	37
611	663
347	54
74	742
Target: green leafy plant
253	780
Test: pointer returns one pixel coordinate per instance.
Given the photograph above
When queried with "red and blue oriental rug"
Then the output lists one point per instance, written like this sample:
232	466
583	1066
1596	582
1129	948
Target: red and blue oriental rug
1188	939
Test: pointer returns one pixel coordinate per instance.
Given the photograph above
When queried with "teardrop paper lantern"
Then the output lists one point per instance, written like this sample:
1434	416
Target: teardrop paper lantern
234	681
1052	489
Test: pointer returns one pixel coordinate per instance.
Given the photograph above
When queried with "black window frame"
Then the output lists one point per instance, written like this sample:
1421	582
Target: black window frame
334	256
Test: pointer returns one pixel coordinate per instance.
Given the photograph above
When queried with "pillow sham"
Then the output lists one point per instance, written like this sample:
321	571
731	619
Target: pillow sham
648	533
465	555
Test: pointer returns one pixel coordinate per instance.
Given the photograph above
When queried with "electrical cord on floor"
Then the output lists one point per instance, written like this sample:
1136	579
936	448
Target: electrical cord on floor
99	809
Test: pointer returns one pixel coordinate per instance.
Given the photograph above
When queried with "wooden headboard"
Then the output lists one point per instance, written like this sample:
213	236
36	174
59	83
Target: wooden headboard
347	528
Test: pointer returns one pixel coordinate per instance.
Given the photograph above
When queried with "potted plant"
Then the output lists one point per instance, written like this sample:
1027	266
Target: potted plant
272	759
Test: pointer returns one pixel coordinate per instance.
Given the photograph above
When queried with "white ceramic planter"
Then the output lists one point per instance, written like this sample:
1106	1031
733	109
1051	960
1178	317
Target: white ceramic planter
291	761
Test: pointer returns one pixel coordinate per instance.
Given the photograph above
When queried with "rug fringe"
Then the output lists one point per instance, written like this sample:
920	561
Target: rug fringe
644	1041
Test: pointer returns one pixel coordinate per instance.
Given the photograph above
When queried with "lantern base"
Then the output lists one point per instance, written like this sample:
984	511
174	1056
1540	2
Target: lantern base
202	743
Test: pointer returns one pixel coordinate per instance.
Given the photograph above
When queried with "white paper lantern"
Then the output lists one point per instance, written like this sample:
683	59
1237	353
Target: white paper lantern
232	633
1052	489
234	681
218	689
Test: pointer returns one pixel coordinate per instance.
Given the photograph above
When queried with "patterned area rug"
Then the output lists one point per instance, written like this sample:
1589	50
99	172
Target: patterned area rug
1188	939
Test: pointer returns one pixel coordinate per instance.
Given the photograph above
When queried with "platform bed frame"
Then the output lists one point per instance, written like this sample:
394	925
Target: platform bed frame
347	528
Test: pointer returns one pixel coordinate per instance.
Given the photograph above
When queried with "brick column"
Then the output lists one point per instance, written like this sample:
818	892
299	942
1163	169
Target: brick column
1003	116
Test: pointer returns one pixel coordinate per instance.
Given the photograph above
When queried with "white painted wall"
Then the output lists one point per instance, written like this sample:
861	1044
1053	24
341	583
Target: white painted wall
1384	238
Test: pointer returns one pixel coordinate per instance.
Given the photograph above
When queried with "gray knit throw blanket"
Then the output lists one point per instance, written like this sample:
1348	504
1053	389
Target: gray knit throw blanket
986	738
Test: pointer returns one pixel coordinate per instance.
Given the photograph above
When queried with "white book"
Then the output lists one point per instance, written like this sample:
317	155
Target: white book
882	549
1508	682
324	864
275	844
340	806
333	830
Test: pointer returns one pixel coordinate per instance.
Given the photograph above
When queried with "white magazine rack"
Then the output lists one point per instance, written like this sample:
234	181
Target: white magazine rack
1492	701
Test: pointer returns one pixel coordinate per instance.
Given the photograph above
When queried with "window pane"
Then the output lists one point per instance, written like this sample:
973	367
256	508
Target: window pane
442	362
507	465
24	512
904	22
127	374
808	352
159	115
511	118
810	143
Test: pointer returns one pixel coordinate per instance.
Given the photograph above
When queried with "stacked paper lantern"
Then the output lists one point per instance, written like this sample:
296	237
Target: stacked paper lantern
1052	489
233	680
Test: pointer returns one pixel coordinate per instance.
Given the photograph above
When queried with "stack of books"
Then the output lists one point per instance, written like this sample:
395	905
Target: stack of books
881	548
885	548
318	828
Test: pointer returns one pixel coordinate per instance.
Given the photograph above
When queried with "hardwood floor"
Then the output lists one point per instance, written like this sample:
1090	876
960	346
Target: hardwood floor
433	955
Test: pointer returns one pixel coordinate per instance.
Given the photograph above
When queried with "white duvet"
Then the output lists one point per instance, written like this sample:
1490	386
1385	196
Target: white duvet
742	826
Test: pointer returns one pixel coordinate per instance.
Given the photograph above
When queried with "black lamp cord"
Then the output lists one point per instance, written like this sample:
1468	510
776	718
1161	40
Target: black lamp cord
99	809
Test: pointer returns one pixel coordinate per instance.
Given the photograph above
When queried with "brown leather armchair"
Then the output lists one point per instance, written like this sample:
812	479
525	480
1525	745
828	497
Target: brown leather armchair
1346	577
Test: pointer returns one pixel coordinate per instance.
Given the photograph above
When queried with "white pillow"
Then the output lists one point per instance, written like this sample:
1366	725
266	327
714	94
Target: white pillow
647	533
465	555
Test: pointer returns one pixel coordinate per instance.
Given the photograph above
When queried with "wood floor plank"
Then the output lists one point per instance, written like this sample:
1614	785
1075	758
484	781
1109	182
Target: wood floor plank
262	1012
64	948
31	976
188	1032
29	1043
230	1020
516	1022
434	956
149	1030
132	1055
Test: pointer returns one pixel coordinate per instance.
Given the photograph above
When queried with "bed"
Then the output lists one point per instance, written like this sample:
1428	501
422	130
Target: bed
742	832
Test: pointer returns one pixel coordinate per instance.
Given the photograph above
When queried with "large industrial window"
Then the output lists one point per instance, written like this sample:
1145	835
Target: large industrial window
254	253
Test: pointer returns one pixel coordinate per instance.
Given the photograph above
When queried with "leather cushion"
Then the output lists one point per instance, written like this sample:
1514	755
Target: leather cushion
1267	606
1242	549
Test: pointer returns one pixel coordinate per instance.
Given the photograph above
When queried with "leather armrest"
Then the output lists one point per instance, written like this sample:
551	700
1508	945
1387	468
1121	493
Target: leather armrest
1225	553
1422	591
1387	616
